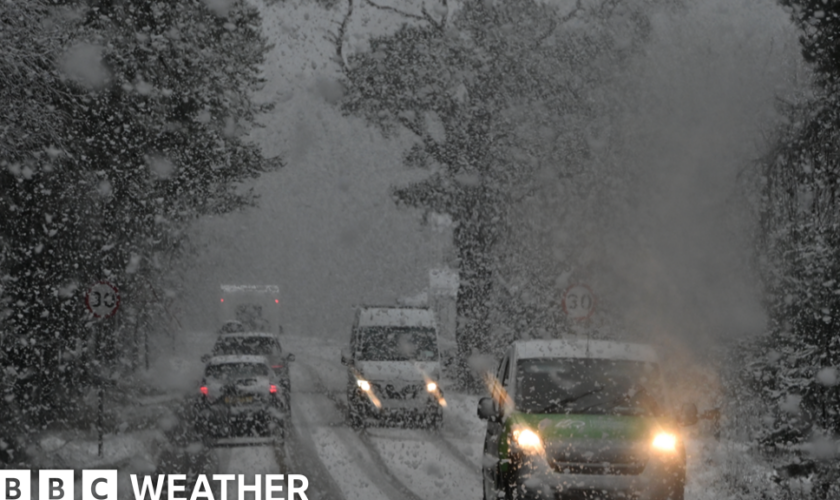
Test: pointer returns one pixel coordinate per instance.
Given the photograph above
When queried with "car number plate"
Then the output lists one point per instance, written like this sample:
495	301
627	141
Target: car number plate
233	400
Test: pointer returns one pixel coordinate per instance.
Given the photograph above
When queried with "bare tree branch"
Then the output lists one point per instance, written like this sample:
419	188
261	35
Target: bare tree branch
572	13
438	25
411	126
554	23
339	39
608	7
396	10
430	146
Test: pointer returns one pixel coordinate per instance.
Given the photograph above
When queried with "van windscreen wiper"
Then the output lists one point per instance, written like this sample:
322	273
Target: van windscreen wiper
559	405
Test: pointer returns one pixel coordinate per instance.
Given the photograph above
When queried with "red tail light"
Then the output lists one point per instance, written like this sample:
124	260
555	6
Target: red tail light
272	389
276	367
276	301
204	390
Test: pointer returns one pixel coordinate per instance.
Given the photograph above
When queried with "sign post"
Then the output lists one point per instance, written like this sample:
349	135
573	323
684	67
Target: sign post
102	300
579	302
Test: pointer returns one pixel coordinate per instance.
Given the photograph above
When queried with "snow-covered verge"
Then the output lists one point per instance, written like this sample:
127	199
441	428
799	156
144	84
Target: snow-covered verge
130	453
80	449
720	470
728	470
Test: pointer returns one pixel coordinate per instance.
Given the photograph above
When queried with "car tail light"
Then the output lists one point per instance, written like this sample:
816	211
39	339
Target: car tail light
204	390
276	367
272	389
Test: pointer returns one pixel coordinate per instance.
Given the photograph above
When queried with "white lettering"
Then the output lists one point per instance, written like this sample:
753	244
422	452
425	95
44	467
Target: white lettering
294	490
224	478
173	488
271	488
256	488
148	488
199	491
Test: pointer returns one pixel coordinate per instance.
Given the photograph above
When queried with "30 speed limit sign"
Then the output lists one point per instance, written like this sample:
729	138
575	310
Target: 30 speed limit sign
579	302
102	299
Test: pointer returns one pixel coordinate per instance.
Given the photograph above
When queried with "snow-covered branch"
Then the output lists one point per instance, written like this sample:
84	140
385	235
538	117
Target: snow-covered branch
395	10
342	34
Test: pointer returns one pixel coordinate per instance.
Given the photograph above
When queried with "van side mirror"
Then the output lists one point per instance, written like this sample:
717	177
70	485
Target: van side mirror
487	410
205	358
346	358
687	414
290	357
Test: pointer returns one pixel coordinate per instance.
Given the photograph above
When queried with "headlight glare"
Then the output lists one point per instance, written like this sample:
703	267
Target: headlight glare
665	441
431	387
363	385
527	439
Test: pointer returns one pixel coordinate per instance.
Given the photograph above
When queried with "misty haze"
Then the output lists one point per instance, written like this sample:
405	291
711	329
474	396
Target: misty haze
421	249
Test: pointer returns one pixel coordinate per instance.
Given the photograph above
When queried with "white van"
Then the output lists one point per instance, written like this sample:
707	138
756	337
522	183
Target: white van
394	368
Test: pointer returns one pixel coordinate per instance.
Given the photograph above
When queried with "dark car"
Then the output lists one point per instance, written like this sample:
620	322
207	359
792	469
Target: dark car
258	344
241	396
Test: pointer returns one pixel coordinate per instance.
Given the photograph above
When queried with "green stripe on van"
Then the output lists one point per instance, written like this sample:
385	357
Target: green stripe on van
553	426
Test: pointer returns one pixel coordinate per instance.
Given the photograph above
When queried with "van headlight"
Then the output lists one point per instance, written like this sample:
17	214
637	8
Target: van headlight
431	387
363	385
664	441
527	439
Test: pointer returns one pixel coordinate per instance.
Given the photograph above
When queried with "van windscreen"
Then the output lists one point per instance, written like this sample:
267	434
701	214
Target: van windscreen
397	343
587	386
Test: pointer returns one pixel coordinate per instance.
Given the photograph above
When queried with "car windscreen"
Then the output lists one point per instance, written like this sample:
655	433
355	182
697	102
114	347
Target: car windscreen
235	370
397	343
588	386
232	327
259	346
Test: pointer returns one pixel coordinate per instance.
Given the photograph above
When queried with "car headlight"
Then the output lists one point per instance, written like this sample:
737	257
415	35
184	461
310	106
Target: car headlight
527	439
363	385
431	387
664	441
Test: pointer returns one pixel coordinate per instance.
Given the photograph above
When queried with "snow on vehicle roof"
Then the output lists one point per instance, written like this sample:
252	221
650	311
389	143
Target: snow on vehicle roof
237	358
598	349
250	288
248	334
396	316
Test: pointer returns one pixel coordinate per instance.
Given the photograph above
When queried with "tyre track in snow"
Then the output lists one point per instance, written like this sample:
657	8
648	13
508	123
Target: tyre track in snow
435	436
296	455
303	459
380	474
248	460
450	449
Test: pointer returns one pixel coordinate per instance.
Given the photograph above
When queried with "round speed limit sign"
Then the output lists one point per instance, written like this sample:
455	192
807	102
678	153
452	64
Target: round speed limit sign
579	302
102	299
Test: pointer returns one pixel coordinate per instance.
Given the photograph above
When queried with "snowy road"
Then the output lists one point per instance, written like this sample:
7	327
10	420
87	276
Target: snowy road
377	463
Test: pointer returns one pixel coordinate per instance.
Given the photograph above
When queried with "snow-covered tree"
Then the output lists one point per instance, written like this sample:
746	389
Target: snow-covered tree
126	121
798	247
501	97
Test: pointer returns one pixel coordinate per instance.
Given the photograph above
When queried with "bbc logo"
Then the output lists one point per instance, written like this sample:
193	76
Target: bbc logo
58	485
